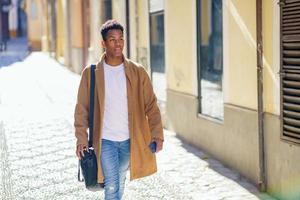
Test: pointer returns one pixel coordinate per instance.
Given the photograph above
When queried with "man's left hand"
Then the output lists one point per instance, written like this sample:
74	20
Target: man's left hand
159	144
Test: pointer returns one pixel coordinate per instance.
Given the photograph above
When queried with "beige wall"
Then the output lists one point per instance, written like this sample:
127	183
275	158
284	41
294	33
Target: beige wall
233	142
271	56
239	47
67	33
240	50
35	15
76	35
143	42
180	45
282	162
60	27
76	24
44	26
95	44
119	13
139	32
133	29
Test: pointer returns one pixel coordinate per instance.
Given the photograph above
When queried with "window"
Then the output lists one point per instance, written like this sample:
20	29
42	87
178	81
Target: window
157	42
157	48
210	57
290	69
106	10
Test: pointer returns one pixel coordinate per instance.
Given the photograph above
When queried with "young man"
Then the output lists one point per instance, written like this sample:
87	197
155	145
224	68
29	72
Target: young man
126	116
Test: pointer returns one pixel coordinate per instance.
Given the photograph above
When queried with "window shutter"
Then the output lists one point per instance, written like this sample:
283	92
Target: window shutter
290	69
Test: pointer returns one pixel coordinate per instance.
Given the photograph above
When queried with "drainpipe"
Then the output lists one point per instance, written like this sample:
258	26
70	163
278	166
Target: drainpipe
128	27
260	109
136	4
84	32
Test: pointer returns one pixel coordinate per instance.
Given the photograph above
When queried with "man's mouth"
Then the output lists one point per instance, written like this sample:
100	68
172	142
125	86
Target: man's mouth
118	50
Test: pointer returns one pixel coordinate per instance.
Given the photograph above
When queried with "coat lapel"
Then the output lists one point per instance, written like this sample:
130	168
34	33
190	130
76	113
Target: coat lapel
127	70
100	83
130	99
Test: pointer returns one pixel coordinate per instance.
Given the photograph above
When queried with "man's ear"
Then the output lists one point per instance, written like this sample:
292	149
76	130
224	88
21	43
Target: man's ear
103	44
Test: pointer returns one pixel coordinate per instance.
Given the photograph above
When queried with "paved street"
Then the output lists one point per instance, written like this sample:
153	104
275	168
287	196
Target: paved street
37	145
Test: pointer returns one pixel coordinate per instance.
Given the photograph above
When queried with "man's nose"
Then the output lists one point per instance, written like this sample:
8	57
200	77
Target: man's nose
118	42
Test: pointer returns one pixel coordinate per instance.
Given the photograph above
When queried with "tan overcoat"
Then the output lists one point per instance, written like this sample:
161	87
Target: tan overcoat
144	117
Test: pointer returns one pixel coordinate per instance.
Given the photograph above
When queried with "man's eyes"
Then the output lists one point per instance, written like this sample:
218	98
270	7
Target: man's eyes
113	40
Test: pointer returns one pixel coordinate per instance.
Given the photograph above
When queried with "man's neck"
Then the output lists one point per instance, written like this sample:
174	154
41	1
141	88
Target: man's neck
113	61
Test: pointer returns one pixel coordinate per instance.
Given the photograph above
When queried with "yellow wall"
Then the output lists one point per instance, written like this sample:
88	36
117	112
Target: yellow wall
271	56
143	14
119	13
143	33
34	20
133	32
240	58
76	24
44	27
180	45
139	32
96	22
240	77
118	7
60	40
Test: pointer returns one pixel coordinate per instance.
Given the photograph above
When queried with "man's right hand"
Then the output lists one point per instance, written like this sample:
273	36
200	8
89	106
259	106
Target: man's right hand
79	150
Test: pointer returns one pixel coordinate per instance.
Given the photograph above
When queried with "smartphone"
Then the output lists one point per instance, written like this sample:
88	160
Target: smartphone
152	147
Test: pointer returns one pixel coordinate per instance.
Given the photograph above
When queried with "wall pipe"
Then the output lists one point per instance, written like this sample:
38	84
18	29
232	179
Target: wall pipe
260	108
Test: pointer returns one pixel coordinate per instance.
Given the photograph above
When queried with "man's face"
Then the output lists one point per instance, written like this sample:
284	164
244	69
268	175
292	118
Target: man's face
114	43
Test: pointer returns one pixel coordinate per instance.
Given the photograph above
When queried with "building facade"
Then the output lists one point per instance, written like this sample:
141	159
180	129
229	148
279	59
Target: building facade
226	72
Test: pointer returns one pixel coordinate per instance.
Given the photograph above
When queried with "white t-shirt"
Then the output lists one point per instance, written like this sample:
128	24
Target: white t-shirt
115	122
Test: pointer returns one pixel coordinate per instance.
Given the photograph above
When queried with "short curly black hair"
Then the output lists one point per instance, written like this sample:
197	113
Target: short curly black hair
109	25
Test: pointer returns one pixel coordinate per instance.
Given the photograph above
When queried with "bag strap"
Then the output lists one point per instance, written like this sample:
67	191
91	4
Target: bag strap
78	175
91	113
91	109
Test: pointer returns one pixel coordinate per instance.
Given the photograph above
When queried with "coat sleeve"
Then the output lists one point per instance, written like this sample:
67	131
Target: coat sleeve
151	108
82	110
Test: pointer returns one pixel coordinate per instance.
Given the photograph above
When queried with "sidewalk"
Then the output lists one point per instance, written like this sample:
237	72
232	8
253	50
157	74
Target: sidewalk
37	146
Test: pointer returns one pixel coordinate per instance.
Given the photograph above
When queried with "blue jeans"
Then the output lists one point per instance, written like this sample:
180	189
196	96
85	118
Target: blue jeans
115	163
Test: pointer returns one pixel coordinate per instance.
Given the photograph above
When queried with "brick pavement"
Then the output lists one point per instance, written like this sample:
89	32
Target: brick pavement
37	151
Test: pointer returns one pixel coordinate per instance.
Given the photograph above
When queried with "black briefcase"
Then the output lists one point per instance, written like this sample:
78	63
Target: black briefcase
89	168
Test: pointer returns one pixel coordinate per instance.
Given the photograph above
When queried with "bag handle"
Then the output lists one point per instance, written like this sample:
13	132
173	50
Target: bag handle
91	113
91	109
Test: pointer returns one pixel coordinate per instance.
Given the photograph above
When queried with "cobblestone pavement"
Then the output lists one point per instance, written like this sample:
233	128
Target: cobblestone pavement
37	146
